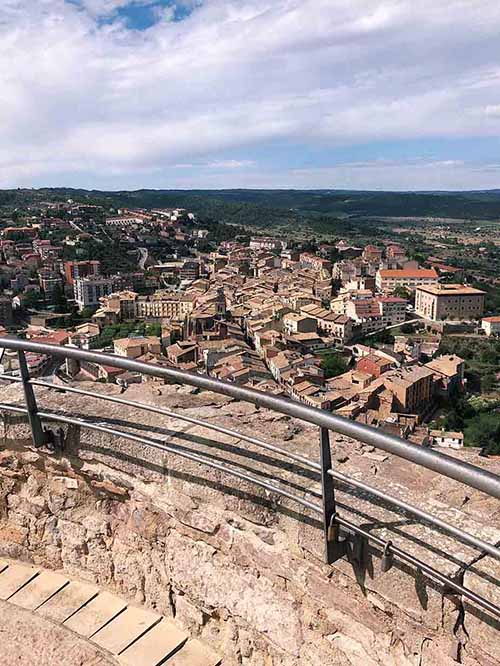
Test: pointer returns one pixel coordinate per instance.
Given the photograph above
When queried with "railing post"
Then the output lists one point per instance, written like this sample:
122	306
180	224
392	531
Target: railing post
37	432
334	548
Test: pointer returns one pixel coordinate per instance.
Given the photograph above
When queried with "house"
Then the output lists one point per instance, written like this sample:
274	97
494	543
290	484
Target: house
181	353
374	365
449	373
294	322
135	347
411	388
452	440
491	325
59	337
372	254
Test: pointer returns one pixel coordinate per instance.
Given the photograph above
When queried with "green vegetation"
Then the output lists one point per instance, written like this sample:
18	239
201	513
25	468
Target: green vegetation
479	419
125	330
333	365
483	430
482	357
114	256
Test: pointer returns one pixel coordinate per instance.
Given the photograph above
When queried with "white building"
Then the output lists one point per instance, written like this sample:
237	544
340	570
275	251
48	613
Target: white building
451	440
266	243
89	290
491	325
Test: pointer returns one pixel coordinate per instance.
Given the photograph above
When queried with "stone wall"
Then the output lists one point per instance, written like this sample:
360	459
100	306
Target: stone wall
235	565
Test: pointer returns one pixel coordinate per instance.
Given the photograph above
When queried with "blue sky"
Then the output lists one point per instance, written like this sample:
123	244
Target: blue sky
362	94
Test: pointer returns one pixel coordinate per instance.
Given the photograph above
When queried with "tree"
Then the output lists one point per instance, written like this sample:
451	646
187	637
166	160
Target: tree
87	313
484	431
488	382
59	299
333	365
32	299
402	292
154	329
407	329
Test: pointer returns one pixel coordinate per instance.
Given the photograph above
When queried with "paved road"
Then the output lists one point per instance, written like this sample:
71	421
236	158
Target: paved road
388	328
143	257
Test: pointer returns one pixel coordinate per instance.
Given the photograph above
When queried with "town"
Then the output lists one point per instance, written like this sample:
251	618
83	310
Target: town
367	332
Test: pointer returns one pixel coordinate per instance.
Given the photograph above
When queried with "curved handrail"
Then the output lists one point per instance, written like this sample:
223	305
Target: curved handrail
463	472
387	546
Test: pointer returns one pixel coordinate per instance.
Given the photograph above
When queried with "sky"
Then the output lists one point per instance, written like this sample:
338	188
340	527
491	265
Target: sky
348	94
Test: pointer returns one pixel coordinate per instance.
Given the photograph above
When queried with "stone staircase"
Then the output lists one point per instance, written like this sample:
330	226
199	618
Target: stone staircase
134	636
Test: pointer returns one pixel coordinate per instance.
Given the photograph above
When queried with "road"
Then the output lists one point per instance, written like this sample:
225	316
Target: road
143	257
388	328
82	231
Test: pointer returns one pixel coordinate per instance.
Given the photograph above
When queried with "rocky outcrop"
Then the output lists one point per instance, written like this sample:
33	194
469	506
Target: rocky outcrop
238	566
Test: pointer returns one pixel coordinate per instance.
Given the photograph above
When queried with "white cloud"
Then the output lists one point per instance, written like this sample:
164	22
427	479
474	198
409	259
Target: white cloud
230	164
83	98
493	110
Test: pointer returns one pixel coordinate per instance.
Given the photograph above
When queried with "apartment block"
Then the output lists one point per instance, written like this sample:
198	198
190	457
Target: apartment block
78	269
449	301
89	290
389	279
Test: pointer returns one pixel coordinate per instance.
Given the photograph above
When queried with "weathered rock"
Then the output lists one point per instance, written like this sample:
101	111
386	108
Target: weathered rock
238	565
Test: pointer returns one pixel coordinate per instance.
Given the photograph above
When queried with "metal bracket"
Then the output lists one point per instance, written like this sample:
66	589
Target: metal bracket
37	432
335	548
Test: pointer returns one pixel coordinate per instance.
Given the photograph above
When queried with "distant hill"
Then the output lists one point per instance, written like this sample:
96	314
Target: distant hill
281	206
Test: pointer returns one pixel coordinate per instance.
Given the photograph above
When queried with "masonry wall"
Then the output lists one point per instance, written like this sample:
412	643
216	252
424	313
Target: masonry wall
237	566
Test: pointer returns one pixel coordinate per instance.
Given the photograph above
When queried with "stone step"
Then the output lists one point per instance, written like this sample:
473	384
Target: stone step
96	614
68	601
194	653
14	577
39	590
3	565
125	628
155	646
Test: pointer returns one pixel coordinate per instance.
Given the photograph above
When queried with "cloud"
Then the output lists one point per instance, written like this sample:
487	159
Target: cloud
88	99
493	110
230	164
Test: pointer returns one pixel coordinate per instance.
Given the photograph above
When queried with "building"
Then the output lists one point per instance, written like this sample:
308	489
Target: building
49	282
491	325
449	301
266	243
366	314
388	279
449	374
372	254
451	440
164	305
396	253
190	270
76	269
298	323
124	220
312	261
337	326
135	347
411	388
89	290
392	309
374	365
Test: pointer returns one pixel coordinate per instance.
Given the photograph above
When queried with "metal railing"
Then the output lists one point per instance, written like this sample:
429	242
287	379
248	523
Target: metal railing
337	542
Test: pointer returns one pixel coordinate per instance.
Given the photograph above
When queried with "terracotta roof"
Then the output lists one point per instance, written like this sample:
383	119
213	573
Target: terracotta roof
408	273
